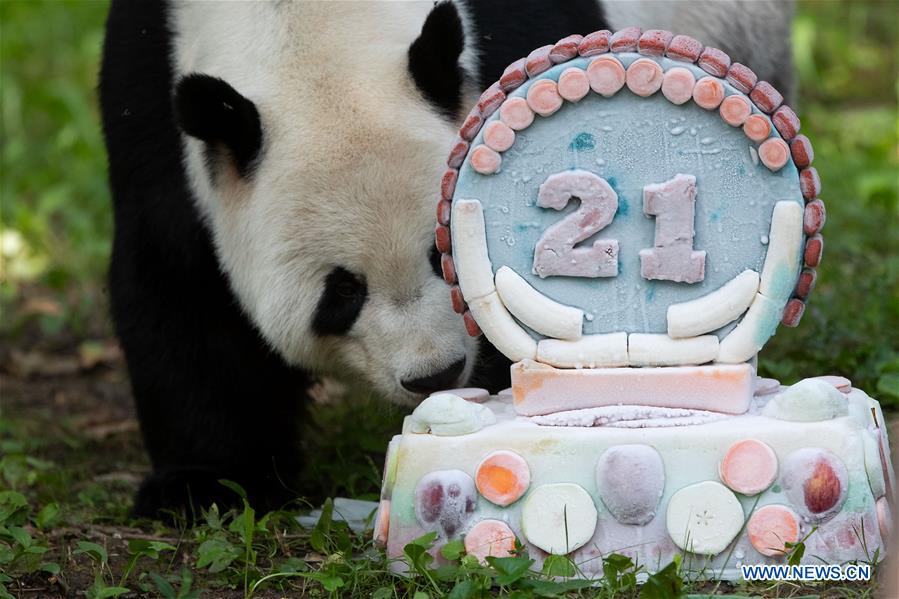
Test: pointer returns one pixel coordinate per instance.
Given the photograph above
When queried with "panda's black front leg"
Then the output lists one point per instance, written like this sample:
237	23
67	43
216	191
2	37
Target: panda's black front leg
213	401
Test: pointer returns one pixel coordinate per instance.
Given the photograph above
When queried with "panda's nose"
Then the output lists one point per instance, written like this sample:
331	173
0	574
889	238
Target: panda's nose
436	381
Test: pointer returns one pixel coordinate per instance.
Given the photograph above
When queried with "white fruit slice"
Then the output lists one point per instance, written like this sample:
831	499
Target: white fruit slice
501	329
784	247
648	349
546	316
590	351
704	518
754	330
714	310
470	250
558	518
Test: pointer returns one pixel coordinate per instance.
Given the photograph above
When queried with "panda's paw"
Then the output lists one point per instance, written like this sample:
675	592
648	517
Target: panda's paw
179	495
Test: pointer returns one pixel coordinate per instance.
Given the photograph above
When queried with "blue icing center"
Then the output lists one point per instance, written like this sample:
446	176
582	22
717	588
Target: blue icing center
632	142
583	142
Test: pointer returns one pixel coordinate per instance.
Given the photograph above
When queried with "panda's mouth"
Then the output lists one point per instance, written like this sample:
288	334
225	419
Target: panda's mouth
437	380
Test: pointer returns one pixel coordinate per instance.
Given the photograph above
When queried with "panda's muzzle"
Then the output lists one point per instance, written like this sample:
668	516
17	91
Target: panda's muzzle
436	381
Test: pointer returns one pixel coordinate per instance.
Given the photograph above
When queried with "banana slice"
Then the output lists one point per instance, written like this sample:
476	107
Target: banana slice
501	329
590	351
754	330
714	310
648	349
704	518
534	309
782	260
470	250
558	518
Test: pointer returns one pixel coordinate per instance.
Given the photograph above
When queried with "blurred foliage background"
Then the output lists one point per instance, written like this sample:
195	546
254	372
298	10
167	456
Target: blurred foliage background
55	217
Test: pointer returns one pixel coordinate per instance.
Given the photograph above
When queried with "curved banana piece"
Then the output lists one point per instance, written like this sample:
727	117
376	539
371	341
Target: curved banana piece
544	315
713	310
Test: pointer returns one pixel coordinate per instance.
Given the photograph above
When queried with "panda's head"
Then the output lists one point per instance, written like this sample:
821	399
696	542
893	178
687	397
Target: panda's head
315	138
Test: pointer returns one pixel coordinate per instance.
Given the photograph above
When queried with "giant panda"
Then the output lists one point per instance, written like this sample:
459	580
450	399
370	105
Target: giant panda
273	169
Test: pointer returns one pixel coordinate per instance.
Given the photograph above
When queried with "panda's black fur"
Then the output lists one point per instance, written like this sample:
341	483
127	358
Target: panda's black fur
213	398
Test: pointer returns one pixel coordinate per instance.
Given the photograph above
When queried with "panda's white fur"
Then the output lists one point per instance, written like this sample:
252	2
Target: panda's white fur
759	29
350	159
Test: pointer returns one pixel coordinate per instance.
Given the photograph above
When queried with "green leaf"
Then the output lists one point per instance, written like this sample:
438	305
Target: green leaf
453	550
92	550
420	595
234	487
51	568
11	503
47	516
465	589
332	583
216	554
164	587
322	530
510	569
664	584
383	593
417	552
20	535
558	565
148	548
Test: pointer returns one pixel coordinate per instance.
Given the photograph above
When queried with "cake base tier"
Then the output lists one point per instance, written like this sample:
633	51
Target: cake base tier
726	493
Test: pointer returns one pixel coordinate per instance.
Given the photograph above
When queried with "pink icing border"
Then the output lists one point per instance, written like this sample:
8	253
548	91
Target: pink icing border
649	43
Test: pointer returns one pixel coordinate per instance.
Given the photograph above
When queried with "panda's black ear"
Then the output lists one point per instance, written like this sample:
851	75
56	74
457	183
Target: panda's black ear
434	58
211	110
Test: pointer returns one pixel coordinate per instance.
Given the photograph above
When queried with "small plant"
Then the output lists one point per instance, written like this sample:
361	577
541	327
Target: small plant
101	588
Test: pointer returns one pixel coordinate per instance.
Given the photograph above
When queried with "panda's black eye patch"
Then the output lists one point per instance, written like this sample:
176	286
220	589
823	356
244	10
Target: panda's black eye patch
434	259
340	303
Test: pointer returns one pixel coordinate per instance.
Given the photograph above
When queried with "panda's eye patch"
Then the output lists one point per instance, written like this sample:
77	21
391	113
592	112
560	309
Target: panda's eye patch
434	259
340	303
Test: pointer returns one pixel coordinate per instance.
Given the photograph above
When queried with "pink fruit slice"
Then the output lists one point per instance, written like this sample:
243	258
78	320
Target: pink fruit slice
774	153
677	85
606	75
445	500
382	523
771	527
842	384
573	84
735	110
543	97
490	538
485	161
499	136
644	77
815	481
708	93
757	127
503	477
516	113
749	467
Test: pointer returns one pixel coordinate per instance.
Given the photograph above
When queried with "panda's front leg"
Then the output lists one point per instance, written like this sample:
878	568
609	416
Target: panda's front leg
213	401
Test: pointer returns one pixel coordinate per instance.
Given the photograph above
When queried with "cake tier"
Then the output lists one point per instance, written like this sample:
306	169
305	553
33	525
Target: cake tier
648	483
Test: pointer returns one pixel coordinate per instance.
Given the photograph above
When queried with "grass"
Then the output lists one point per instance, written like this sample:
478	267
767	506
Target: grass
70	455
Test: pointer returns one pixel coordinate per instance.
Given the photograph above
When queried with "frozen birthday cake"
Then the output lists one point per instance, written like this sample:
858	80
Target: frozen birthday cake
629	217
